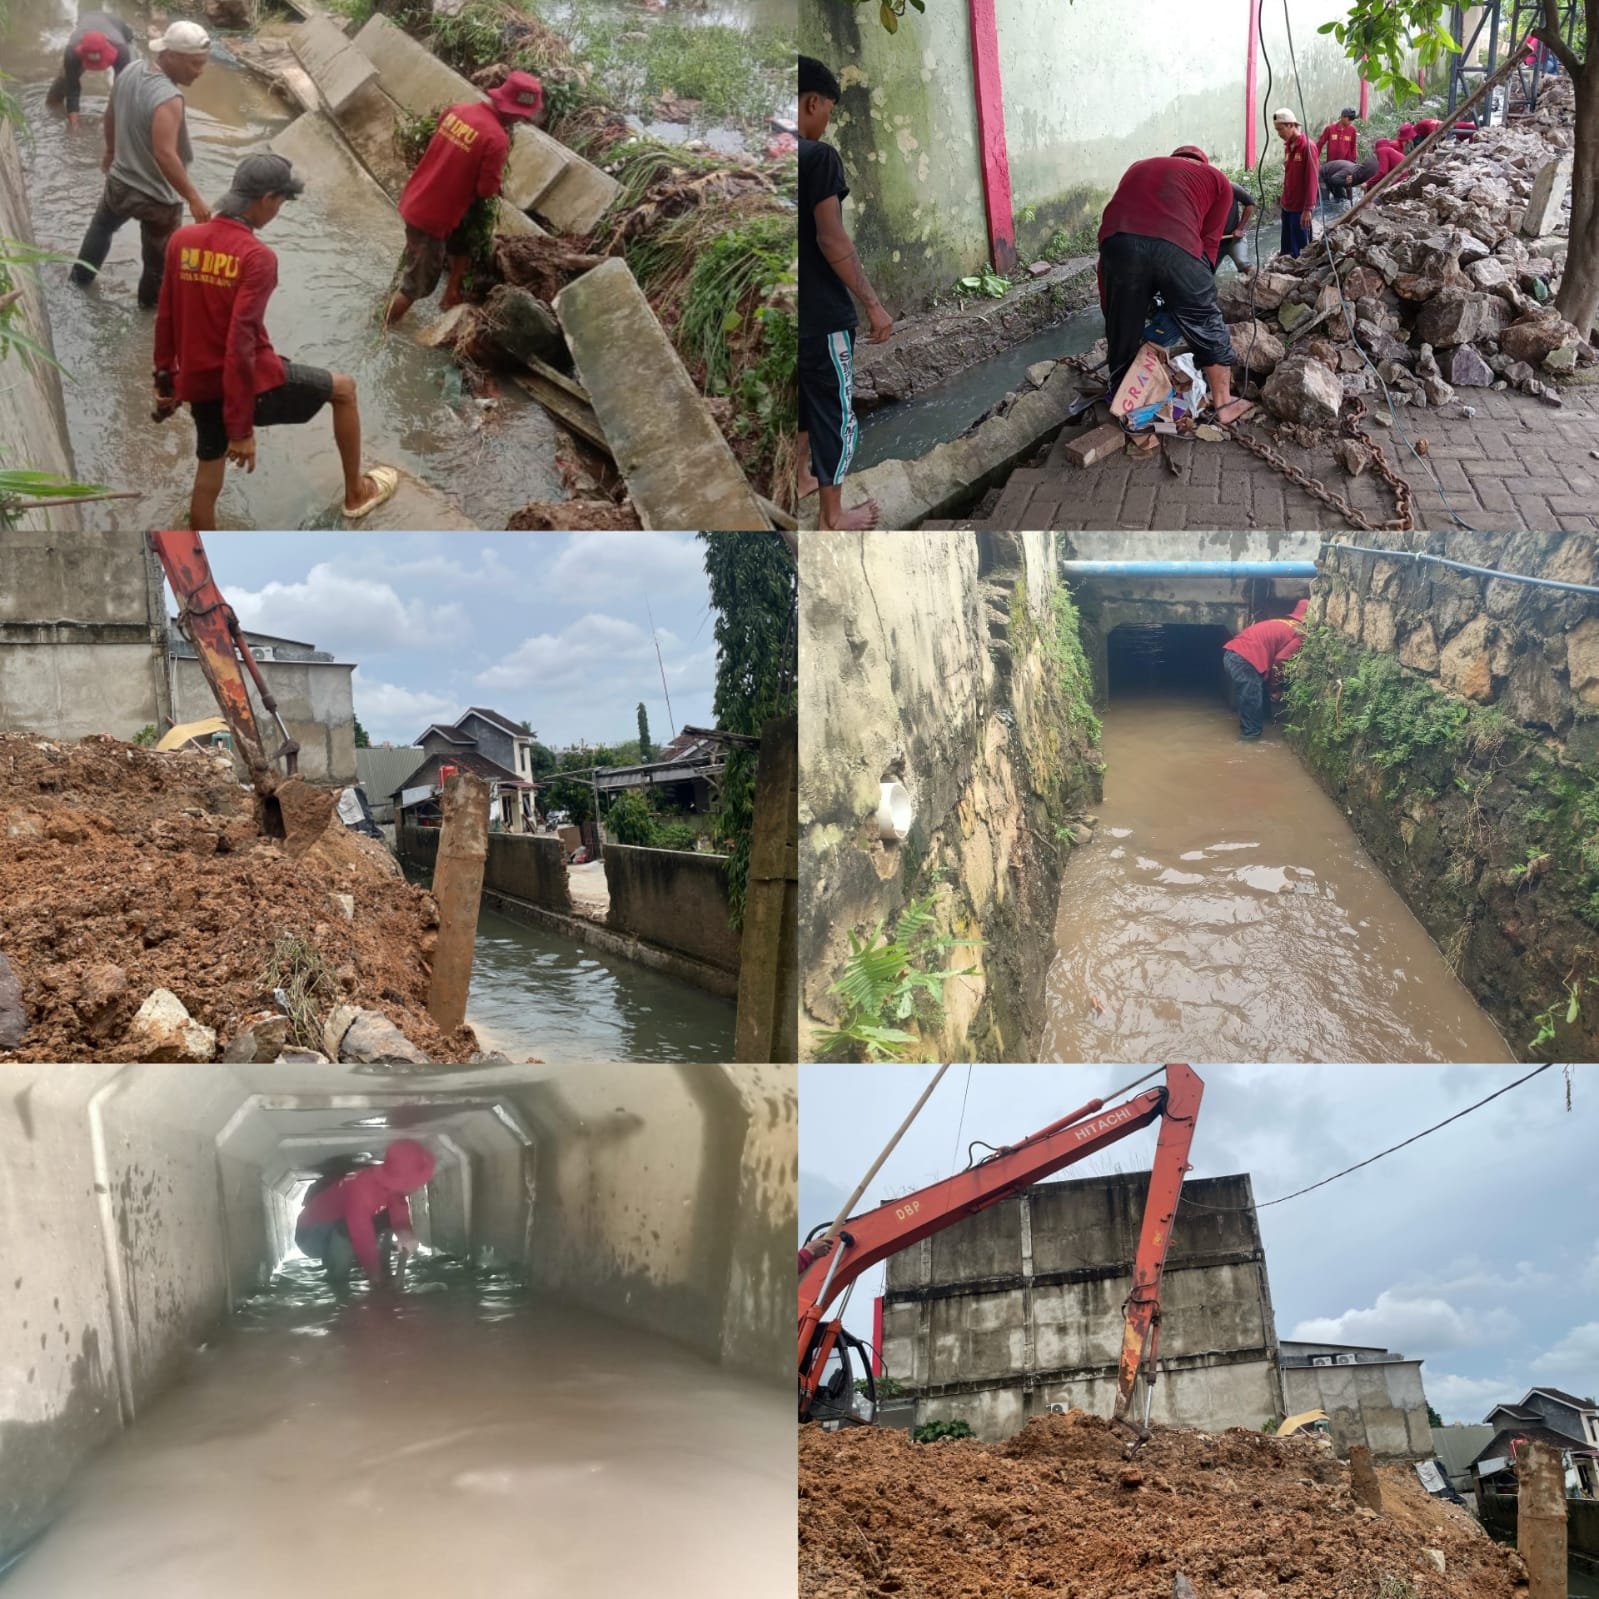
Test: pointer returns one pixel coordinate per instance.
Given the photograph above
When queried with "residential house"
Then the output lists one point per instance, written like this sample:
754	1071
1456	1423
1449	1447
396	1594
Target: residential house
482	742
1544	1415
687	773
491	735
381	770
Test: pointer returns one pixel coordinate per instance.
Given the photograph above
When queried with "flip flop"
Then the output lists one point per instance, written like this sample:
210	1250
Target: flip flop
387	480
1248	408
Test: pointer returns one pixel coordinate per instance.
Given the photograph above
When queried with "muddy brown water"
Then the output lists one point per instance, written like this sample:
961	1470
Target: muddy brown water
1226	911
332	283
456	1436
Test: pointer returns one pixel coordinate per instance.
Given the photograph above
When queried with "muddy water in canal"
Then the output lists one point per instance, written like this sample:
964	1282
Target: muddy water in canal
1226	911
454	1436
332	281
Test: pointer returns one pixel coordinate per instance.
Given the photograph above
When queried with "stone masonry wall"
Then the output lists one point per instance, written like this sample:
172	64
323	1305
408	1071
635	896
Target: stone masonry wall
1455	716
926	660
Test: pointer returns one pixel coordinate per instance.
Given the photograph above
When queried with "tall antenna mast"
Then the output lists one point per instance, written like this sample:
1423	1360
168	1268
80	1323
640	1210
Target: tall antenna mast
671	721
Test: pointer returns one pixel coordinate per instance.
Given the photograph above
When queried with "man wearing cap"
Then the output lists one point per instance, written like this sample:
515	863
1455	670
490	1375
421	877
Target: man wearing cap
1161	234
99	43
147	156
1253	656
1339	140
1299	182
463	162
212	349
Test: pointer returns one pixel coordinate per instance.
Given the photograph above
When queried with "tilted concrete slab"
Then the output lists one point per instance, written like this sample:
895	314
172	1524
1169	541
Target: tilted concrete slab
339	182
339	70
580	197
679	469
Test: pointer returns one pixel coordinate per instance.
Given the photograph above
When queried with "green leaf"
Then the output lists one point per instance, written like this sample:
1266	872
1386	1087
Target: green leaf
921	5
885	15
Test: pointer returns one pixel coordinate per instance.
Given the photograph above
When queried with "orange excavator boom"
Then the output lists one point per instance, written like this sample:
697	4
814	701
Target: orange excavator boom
829	1268
209	623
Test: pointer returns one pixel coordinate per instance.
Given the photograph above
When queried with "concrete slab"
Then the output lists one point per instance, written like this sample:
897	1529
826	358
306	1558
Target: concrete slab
580	197
679	469
339	70
312	144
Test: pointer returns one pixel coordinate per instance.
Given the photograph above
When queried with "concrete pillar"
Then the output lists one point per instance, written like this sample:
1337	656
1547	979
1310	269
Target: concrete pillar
1549	191
1541	1522
458	887
768	983
1363	1482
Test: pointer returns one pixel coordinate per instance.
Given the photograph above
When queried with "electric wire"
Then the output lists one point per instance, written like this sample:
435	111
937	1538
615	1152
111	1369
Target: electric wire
960	1126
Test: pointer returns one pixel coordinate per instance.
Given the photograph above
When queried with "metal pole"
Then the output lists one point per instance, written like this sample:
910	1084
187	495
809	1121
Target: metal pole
458	888
599	829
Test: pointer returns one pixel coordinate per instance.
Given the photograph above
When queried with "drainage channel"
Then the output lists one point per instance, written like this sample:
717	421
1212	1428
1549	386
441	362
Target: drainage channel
333	279
1225	909
564	1351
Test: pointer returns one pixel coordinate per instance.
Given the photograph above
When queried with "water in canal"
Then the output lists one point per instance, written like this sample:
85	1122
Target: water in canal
537	993
456	1435
332	284
1226	911
908	430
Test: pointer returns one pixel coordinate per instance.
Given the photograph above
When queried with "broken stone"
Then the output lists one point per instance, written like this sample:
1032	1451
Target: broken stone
1519	374
1291	314
1582	667
345	904
13	1018
1436	1556
1040	269
1468	370
1039	373
1533	337
515	325
1270	289
1562	360
1464	665
163	1030
1437	391
263	1037
1304	391
1352	456
302	1057
1419	649
1488	273
1454	316
1416	286
104	985
1255	347
373	1040
1097	445
1544	204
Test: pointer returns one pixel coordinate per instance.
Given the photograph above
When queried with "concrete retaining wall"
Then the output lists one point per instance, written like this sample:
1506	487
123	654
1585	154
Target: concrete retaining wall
997	1318
1582	1521
674	899
1142	82
925	661
139	1202
33	418
1456	719
82	633
1379	1404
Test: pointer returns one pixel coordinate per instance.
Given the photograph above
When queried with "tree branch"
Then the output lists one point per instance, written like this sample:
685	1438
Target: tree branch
1548	33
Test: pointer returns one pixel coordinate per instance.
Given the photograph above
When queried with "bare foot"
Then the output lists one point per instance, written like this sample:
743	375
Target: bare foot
808	483
857	519
1234	411
449	300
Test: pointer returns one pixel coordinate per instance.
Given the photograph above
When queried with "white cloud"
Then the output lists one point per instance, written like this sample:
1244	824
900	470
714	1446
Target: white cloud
631	563
491	571
345	614
1574	1361
1474	1276
1412	1326
395	715
1469	1398
596	650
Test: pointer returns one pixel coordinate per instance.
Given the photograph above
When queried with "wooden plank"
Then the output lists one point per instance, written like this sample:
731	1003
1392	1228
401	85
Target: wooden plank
569	412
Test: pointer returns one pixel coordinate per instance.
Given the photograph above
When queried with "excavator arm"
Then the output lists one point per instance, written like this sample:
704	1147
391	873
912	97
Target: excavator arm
208	622
831	1267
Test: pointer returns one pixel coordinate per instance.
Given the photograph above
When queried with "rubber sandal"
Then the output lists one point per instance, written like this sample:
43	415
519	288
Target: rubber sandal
387	480
1248	410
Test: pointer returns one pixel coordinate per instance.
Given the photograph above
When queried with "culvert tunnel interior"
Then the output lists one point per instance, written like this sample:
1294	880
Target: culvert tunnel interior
587	1329
1166	658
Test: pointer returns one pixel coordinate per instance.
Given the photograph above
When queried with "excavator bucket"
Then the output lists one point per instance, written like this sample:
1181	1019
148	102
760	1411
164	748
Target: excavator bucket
297	813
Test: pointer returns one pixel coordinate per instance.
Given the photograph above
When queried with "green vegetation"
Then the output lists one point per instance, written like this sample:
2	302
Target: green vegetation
297	968
755	594
887	1387
646	750
891	982
147	737
1073	678
358	11
932	1432
631	819
987	282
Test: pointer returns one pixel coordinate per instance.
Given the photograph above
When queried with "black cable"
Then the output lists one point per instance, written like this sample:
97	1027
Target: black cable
1283	1199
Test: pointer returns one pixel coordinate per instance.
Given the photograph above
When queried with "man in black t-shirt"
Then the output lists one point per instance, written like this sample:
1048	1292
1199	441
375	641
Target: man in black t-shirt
1235	235
829	270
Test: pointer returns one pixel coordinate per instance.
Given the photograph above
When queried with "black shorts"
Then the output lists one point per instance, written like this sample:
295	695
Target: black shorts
827	402
302	393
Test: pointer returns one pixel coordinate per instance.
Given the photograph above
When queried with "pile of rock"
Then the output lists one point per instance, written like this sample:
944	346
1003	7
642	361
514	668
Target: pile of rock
1443	283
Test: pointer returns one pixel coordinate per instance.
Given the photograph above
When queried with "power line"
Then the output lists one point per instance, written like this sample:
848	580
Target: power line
960	1126
1392	1149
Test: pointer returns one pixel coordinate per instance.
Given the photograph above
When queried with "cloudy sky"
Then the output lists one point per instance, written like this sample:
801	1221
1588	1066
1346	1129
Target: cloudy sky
1476	1250
548	628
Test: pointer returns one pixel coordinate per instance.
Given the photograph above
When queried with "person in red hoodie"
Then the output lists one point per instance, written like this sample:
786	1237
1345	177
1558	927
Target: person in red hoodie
1404	135
464	161
346	1219
1252	657
1340	140
212	349
1300	172
1389	155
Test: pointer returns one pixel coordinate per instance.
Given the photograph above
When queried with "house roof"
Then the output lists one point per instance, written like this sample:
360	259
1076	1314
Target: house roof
1500	1443
1458	1447
449	730
1564	1398
513	728
379	770
1515	1412
468	761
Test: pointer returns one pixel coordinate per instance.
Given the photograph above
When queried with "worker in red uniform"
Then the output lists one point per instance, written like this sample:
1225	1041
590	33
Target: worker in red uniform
1161	233
212	349
464	161
1426	127
1340	141
1405	135
99	43
1300	171
348	1217
1389	155
1252	657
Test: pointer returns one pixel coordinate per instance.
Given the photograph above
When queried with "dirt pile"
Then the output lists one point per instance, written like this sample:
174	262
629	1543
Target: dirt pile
1432	289
124	871
1059	1510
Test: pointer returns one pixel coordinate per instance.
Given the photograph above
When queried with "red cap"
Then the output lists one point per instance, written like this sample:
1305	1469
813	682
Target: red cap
408	1165
521	95
1191	152
95	51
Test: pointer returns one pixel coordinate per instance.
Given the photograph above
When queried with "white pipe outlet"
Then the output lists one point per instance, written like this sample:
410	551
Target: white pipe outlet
895	813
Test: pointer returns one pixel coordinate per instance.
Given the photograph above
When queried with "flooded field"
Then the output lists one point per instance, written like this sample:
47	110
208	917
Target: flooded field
1226	911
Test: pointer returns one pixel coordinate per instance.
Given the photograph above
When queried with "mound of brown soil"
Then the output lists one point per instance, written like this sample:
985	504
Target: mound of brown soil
123	870
1060	1510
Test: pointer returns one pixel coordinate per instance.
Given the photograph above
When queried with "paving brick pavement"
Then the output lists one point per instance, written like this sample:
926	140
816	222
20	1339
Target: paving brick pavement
1518	465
